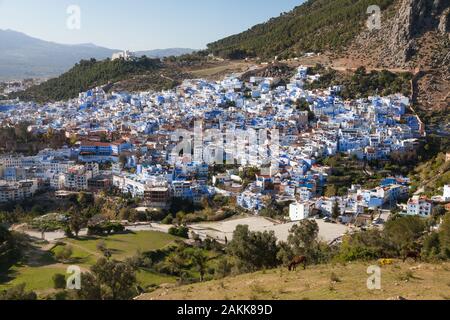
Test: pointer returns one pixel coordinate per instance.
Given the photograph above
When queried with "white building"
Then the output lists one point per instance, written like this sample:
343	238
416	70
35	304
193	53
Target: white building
419	207
126	55
15	191
446	193
77	177
300	210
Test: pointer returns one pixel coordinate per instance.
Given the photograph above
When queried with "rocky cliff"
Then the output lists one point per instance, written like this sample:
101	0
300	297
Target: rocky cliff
415	36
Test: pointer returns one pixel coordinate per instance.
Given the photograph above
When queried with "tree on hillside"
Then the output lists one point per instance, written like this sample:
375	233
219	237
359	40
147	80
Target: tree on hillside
108	280
18	293
76	222
11	248
336	212
303	240
200	261
85	199
403	232
439	211
253	250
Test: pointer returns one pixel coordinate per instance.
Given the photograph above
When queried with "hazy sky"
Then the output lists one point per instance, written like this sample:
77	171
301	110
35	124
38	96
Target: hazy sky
139	24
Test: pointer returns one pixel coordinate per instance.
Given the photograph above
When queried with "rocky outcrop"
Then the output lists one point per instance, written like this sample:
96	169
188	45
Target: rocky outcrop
444	22
414	35
413	19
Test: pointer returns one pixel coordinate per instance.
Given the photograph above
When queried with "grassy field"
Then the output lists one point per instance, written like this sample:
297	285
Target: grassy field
121	246
35	278
335	282
37	273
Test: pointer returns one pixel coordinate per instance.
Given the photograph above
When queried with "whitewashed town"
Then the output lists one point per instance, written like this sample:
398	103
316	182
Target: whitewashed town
126	141
224	151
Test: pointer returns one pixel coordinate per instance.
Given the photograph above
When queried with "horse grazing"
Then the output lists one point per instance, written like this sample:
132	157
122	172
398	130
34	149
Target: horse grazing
411	254
296	262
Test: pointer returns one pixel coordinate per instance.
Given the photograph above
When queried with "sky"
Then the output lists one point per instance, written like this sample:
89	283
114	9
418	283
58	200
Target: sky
138	24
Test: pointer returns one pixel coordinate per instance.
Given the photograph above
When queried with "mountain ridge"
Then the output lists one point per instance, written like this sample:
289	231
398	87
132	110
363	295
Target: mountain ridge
23	56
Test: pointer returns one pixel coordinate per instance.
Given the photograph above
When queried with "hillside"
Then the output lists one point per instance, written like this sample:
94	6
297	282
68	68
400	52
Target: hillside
335	282
317	25
414	36
142	74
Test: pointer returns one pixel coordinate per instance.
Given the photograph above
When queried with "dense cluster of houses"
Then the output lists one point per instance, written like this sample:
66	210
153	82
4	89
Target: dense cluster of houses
140	135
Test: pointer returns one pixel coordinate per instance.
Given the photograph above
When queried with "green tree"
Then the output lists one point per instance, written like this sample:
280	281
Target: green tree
200	261
11	248
431	246
364	245
303	240
223	268
285	253
182	232
85	199
64	254
336	212
18	293
439	211
253	250
76	222
108	280
403	232
59	281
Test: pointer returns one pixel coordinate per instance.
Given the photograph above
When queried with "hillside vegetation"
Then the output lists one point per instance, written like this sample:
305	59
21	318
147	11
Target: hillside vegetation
431	176
317	25
88	74
362	84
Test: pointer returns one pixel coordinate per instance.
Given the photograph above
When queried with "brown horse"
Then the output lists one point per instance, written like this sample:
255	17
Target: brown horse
298	260
411	254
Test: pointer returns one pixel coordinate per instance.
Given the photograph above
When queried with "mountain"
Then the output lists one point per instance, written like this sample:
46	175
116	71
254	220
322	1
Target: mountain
22	56
414	36
316	25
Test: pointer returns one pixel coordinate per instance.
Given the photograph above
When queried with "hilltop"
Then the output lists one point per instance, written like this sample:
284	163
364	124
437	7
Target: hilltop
141	74
316	25
335	282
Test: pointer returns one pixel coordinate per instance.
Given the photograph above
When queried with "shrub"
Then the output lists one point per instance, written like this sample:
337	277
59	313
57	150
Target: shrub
64	254
167	220
17	293
106	228
182	232
59	281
